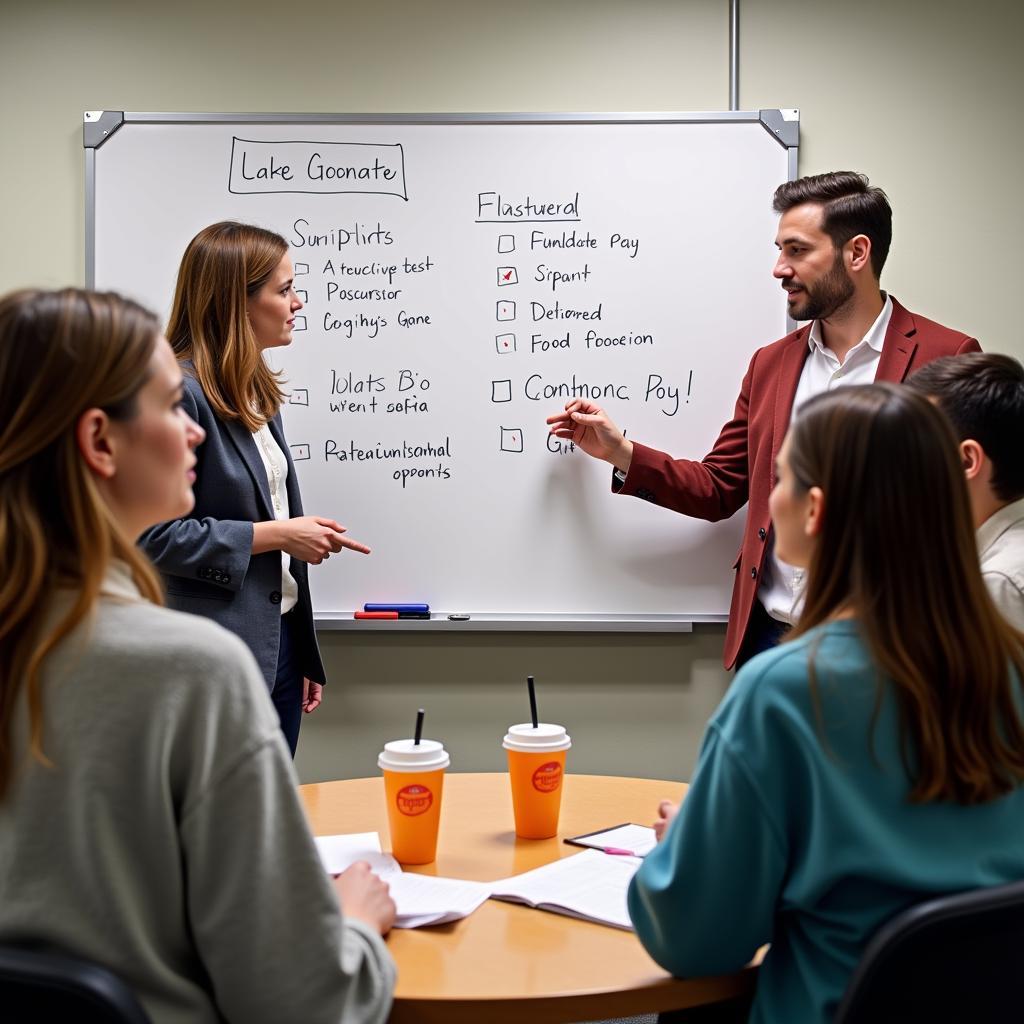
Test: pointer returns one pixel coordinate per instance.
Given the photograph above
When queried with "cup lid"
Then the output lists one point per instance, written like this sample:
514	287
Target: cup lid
408	756
545	737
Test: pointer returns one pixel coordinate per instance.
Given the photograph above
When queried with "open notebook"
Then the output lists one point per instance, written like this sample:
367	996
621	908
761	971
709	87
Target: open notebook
589	885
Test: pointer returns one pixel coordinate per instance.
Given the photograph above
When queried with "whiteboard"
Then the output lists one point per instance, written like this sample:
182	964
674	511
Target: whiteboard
463	277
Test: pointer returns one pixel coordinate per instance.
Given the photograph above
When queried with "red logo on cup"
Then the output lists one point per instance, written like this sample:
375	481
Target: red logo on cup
548	777
413	800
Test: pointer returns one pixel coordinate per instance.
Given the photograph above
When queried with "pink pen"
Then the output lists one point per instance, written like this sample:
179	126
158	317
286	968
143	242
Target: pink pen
616	851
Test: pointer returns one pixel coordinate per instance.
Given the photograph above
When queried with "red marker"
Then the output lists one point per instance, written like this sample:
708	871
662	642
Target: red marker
375	615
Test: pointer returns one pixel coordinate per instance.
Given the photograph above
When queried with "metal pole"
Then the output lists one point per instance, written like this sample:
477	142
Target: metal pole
734	54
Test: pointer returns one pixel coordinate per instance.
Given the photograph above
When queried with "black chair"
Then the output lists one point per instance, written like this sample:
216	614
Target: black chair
956	958
38	985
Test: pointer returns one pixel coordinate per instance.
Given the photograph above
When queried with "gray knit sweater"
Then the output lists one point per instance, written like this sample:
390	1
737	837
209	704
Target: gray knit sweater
167	841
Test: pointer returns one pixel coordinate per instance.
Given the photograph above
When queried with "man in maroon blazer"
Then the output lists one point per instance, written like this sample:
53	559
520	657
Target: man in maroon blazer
833	238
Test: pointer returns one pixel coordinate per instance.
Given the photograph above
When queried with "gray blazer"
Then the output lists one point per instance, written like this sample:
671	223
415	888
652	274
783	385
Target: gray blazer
206	558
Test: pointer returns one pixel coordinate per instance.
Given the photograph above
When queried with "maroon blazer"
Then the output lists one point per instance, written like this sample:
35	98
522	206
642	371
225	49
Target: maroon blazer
741	466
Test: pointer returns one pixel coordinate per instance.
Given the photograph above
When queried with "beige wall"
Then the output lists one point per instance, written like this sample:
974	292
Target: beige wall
923	96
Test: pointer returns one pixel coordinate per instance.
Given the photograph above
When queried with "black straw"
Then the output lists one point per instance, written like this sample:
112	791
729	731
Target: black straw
533	700
419	727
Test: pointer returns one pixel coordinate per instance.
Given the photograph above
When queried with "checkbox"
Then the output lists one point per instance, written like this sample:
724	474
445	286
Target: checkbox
301	268
506	311
299	396
506	243
507	275
300	452
300	323
303	294
511	439
505	343
501	391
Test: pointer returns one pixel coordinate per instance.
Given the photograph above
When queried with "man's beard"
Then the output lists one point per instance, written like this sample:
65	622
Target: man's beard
822	299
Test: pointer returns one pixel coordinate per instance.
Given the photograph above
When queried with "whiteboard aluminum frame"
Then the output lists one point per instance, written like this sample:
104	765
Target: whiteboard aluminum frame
99	125
781	124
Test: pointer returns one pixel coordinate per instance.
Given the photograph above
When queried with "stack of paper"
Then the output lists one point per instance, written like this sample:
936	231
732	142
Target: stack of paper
419	899
340	852
426	899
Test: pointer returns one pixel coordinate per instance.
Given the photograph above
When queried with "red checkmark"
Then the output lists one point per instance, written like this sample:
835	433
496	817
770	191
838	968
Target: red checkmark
507	276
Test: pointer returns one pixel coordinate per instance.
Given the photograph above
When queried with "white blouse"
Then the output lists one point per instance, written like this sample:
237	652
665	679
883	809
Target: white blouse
276	466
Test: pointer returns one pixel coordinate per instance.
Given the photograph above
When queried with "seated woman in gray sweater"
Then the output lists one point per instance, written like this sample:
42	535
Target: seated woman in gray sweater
149	819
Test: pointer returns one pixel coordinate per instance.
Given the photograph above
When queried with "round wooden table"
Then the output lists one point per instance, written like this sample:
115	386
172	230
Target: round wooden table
507	962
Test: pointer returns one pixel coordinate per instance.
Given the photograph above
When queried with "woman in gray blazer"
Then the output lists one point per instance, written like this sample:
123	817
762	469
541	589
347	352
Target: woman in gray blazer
241	557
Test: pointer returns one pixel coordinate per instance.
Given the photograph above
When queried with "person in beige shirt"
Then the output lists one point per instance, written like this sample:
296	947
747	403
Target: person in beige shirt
149	817
982	394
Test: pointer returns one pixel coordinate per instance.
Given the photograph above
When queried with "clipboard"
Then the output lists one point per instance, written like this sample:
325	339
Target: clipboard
627	838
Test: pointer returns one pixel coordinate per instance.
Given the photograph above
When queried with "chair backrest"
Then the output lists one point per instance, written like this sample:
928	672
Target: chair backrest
955	958
39	985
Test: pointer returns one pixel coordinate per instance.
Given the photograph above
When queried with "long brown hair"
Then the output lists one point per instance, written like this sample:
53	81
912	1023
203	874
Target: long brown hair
224	266
897	548
61	353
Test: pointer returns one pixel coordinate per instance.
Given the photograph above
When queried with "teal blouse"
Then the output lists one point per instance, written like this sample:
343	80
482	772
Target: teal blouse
804	844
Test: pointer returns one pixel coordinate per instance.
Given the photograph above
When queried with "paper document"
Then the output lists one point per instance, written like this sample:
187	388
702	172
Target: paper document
590	885
340	852
419	899
639	840
424	899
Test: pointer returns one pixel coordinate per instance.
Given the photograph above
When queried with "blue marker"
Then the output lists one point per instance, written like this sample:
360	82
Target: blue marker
411	609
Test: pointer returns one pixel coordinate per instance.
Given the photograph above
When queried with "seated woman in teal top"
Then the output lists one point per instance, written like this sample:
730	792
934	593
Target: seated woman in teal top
873	760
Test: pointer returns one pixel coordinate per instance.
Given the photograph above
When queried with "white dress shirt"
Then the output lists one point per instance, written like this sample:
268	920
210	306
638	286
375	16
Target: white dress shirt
782	584
1001	550
276	466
